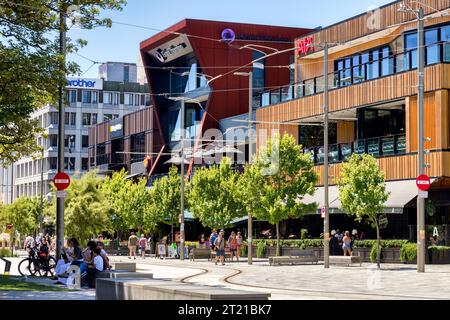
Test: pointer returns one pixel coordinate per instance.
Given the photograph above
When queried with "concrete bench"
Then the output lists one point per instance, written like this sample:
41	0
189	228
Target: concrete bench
123	266
346	260
112	274
293	260
199	253
120	289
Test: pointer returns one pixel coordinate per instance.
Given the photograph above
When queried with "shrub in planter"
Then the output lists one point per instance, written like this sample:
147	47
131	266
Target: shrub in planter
244	248
304	234
261	247
408	252
6	253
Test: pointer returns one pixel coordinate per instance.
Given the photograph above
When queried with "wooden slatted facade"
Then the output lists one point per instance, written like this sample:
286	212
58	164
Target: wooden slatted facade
361	34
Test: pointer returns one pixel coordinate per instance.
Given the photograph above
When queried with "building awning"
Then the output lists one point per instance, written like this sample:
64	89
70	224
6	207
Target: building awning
401	192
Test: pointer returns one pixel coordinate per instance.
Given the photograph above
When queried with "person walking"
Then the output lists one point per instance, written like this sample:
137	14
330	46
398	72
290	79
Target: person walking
143	245
347	244
132	244
232	244
239	241
219	245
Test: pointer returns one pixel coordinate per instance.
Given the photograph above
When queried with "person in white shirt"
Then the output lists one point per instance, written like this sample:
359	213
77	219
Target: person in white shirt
94	267
29	243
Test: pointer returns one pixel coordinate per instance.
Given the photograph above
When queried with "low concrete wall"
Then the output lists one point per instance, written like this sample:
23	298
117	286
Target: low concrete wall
116	289
123	275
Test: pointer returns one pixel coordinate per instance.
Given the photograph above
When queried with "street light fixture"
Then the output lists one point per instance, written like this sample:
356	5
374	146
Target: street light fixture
326	225
421	239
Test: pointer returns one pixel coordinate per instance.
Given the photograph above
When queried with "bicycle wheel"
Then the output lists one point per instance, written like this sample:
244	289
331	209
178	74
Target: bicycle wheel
27	268
50	267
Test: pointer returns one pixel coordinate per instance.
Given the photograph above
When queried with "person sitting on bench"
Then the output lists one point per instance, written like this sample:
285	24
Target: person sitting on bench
93	268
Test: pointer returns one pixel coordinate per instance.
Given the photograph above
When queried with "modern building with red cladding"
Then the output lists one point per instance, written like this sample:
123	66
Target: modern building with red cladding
180	63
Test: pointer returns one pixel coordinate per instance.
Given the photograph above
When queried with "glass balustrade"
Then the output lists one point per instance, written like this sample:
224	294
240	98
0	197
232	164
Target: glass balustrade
384	66
378	147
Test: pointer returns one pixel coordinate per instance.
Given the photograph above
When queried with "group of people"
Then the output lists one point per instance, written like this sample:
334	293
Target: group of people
135	242
43	244
92	259
342	242
218	243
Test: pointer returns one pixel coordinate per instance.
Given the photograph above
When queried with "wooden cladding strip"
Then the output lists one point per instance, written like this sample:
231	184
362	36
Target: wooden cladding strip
372	22
400	167
139	121
366	93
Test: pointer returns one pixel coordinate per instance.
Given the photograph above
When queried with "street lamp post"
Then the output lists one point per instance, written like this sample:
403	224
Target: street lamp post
250	154
182	234
421	239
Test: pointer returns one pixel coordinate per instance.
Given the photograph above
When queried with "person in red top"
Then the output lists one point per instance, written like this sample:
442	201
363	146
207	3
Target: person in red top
232	243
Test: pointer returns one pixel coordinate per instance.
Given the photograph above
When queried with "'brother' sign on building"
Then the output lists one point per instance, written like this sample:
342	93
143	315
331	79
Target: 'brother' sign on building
83	83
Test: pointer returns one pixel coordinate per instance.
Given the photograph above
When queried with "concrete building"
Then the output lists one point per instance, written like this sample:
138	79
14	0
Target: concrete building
118	71
89	101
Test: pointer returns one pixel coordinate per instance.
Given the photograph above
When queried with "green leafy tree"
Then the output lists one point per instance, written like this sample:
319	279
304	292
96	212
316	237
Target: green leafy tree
213	196
275	184
31	67
86	209
164	205
22	214
362	191
127	201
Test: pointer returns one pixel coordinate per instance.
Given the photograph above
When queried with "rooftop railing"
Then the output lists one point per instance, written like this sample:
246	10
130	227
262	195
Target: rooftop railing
356	74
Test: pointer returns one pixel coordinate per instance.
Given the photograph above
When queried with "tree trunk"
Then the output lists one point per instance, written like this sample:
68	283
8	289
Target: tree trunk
172	235
378	243
12	240
278	239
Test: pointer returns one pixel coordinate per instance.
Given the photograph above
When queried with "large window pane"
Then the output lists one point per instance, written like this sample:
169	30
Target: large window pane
87	96
432	47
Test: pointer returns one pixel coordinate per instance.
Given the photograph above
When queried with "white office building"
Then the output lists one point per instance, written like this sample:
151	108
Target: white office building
89	101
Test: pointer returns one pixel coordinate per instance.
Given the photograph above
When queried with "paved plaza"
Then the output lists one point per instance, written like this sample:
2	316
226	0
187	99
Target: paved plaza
301	282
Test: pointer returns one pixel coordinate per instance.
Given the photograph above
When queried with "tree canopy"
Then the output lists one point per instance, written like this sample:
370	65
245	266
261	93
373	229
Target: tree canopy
362	191
213	196
275	184
31	67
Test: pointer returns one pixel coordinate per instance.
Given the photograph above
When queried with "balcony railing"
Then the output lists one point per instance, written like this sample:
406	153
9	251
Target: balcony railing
356	74
378	147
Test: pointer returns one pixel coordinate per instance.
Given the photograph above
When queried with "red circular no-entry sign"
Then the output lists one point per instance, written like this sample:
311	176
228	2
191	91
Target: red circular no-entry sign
61	181
423	182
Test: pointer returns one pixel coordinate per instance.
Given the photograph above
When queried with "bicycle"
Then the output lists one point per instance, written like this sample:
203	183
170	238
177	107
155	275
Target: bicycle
35	265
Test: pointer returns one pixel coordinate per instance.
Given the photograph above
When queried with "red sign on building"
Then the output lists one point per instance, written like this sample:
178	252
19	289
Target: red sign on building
61	181
423	182
302	45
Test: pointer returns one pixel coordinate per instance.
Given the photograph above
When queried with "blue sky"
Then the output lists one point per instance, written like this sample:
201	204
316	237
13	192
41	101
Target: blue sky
121	43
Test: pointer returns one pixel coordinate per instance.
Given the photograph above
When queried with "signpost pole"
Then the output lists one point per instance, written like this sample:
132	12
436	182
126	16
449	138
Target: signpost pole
421	239
182	234
61	135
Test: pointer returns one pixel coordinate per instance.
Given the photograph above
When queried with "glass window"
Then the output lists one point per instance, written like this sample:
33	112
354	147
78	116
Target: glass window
54	118
116	98
84	164
147	100
411	50
387	62
128	99
69	141
445	37
71	96
94	118
94	97
86	119
358	74
309	87
85	141
258	72
137	99
69	164
87	96
53	163
432	46
53	139
107	98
